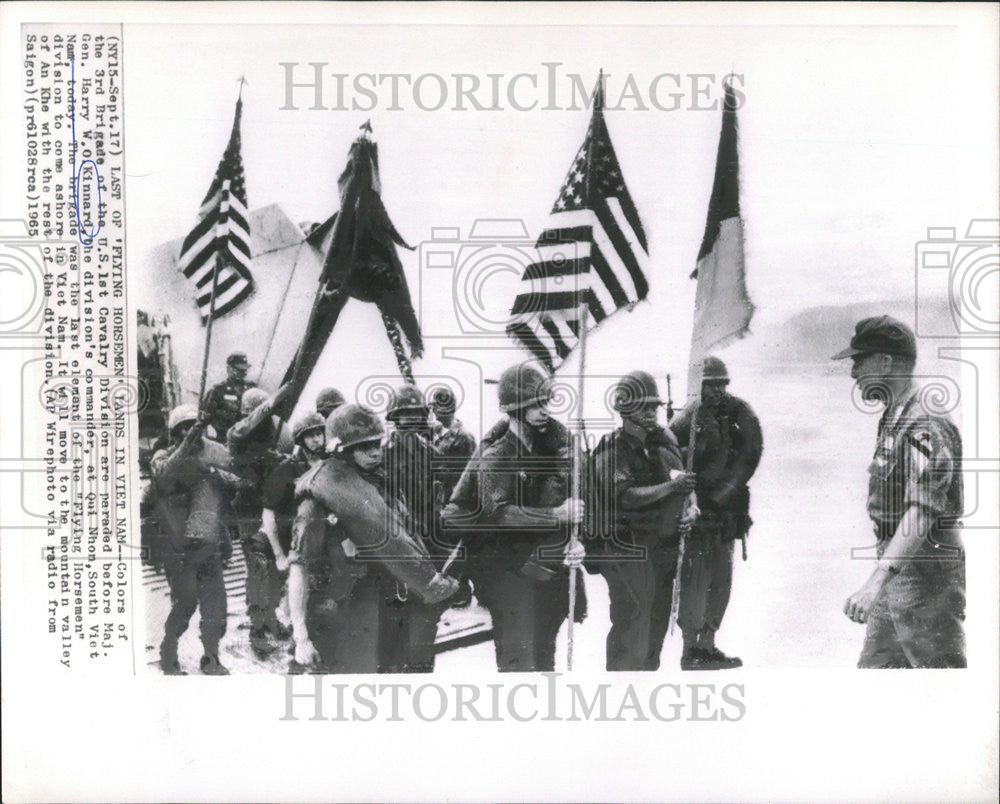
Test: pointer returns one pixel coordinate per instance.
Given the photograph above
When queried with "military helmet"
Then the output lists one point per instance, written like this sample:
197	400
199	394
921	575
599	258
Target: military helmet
353	424
714	371
522	386
252	397
307	423
443	398
406	398
634	391
329	398
182	414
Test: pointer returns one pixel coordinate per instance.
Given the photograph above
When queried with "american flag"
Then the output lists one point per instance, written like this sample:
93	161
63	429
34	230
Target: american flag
593	251
223	230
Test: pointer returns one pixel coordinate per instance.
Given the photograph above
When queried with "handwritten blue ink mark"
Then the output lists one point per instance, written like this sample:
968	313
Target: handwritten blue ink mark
85	235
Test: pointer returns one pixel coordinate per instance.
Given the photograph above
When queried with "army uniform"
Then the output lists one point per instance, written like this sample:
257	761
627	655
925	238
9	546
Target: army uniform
454	446
250	442
409	465
638	547
359	605
191	485
524	585
222	405
917	618
917	621
728	447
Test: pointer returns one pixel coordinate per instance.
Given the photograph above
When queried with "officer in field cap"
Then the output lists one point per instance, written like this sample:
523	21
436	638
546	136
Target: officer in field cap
913	604
221	406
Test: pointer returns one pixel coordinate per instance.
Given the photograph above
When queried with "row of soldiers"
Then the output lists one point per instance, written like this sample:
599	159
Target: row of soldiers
379	535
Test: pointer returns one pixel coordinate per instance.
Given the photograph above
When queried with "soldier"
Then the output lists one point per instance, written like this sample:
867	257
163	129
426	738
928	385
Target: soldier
221	406
513	500
638	473
250	442
191	479
728	446
410	462
455	446
327	401
452	441
914	601
354	570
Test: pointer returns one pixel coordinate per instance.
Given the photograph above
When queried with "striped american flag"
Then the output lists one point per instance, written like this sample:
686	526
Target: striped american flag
223	229
593	251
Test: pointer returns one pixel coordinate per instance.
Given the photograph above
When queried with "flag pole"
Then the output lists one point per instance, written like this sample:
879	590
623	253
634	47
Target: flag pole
208	330
577	482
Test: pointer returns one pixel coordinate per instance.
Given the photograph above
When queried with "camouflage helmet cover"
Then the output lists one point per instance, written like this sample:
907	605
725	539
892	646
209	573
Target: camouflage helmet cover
522	386
353	424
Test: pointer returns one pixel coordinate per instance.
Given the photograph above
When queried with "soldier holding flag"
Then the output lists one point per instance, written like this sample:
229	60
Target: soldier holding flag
512	503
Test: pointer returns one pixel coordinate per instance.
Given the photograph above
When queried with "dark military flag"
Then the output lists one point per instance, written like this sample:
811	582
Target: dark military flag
362	263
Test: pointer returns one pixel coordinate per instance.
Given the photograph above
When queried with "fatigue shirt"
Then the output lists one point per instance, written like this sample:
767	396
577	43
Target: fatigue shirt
408	468
503	476
249	441
622	462
917	461
455	446
728	447
278	493
222	406
189	499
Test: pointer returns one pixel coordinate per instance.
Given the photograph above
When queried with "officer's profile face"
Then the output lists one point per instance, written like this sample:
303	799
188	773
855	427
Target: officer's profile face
238	373
314	441
869	370
367	456
537	415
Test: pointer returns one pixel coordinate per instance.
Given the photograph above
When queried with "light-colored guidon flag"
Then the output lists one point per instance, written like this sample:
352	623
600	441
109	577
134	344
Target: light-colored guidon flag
722	307
593	251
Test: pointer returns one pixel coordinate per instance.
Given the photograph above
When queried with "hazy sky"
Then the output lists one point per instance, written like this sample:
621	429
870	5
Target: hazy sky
853	139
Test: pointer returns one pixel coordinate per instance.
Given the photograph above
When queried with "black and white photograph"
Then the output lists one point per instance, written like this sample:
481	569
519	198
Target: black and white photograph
474	375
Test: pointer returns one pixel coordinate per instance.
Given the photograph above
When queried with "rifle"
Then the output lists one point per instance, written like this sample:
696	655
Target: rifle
670	401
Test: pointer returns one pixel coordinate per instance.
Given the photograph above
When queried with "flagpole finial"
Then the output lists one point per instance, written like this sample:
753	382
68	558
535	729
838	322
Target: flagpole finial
242	82
366	127
599	91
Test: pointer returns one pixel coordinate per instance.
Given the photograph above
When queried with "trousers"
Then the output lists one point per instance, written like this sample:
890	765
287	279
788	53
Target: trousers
707	577
264	583
917	620
526	614
195	578
641	591
373	631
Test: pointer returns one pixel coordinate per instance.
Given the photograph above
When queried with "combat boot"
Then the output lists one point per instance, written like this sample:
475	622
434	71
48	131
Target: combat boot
261	643
211	666
720	660
168	658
